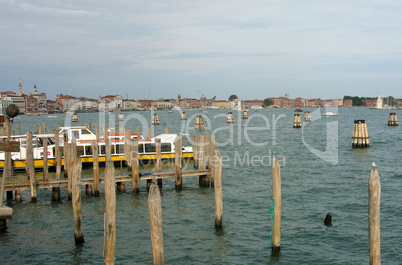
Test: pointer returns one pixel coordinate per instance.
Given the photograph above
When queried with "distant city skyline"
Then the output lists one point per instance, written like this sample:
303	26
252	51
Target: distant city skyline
158	49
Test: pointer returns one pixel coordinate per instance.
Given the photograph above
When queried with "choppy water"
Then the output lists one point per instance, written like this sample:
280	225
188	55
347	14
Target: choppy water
312	186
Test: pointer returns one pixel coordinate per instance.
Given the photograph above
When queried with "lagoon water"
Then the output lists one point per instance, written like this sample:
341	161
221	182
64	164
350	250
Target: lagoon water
319	175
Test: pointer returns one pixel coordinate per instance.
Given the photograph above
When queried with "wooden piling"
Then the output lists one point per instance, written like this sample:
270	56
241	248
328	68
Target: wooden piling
217	167
110	216
135	166
30	165
374	189
297	121
44	128
158	159
212	153
97	133
89	126
195	151
138	132
155	223
19	128
167	130
45	167
58	162
149	133
76	200
18	197
277	197
177	160
95	165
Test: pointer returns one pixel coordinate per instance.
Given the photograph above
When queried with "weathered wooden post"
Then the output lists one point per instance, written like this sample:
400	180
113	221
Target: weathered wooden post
212	153
183	116
297	121
30	166
149	133
167	130
155	223
277	198
45	167
195	150
95	166
58	162
138	132
135	166
374	189
216	163
19	128
76	200
44	128
158	159
97	133
177	160
110	215
89	126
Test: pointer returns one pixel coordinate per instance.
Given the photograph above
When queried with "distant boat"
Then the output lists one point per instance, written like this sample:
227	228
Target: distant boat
33	114
298	110
51	116
256	107
330	113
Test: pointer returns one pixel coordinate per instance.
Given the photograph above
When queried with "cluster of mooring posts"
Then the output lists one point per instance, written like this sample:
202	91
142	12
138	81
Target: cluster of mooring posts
245	114
393	119
121	117
360	137
183	116
207	165
155	119
307	116
199	122
74	118
297	121
230	118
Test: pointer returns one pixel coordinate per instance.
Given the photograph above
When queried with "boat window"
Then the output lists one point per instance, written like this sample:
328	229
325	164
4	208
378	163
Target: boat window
150	148
88	150
119	149
166	147
140	148
80	150
75	134
112	149
51	141
84	131
39	142
102	149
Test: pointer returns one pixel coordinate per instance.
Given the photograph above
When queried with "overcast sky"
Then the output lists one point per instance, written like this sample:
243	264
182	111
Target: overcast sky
153	49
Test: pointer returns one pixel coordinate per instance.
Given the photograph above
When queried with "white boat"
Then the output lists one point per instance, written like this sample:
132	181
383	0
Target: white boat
52	116
330	113
83	138
256	107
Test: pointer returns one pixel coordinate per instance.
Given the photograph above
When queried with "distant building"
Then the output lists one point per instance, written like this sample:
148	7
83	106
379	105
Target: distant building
20	91
18	101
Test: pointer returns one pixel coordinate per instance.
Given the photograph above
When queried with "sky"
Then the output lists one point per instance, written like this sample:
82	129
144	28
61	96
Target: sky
159	49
